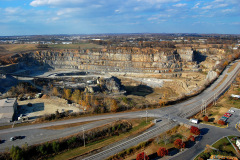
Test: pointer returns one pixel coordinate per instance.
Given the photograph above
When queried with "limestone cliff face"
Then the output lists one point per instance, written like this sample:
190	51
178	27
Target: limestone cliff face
117	61
186	54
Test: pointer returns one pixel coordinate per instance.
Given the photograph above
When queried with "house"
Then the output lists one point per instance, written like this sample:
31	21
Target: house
8	108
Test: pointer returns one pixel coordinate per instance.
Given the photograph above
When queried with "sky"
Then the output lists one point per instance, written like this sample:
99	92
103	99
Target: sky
38	17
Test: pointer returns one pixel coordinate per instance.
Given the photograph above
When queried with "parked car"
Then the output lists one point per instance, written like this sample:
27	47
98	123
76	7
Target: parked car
224	119
229	114
226	115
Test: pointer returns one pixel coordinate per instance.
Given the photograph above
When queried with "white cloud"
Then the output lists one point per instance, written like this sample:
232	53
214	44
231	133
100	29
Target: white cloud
159	1
37	3
217	1
159	17
11	10
227	10
207	7
117	11
180	5
221	5
52	19
196	6
68	11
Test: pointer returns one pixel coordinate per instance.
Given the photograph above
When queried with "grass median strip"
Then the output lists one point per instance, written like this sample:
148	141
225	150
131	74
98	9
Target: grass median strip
64	126
138	127
224	78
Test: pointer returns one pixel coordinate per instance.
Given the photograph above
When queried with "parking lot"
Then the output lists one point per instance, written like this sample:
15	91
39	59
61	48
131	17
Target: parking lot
234	118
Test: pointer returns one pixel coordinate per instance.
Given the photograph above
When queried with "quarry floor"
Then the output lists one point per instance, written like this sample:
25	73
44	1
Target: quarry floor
43	106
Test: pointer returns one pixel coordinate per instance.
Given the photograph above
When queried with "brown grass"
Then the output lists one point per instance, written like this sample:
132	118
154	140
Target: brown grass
220	82
232	67
7	50
75	46
64	126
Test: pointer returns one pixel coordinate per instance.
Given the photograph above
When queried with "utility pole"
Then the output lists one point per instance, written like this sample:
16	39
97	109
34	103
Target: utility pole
203	107
83	138
146	115
13	124
144	155
215	99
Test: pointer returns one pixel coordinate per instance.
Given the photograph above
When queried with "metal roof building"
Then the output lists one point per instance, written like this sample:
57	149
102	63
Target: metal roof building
8	108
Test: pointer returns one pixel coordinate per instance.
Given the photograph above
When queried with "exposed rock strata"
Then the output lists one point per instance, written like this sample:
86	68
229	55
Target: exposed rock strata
118	61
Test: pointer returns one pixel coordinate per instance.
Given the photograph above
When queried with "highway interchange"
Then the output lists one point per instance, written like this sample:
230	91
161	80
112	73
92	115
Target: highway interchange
173	115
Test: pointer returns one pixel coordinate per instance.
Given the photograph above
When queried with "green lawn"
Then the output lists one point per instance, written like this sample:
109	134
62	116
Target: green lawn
223	145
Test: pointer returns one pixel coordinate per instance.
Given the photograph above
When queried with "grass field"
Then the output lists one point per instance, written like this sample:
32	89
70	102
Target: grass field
75	46
223	145
9	49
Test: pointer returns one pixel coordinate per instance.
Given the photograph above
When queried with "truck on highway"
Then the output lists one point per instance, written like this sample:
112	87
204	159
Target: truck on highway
156	120
195	121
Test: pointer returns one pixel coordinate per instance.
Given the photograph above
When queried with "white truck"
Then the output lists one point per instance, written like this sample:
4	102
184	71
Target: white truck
195	121
156	120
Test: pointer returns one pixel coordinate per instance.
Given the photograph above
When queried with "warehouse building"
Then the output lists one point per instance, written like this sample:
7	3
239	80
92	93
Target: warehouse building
8	108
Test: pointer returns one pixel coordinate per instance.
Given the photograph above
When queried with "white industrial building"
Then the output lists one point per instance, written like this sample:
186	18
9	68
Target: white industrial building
8	107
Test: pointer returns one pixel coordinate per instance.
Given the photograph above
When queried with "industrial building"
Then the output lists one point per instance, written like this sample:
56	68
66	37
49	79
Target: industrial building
8	108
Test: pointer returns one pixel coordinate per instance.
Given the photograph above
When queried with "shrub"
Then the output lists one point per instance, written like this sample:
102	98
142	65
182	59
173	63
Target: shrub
195	130
55	146
178	143
16	153
205	118
142	156
162	152
129	151
221	122
191	138
42	149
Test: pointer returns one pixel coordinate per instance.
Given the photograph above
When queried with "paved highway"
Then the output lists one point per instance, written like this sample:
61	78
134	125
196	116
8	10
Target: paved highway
183	110
176	113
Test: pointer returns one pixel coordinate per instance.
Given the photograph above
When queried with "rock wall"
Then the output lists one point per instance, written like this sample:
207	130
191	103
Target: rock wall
117	61
186	54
